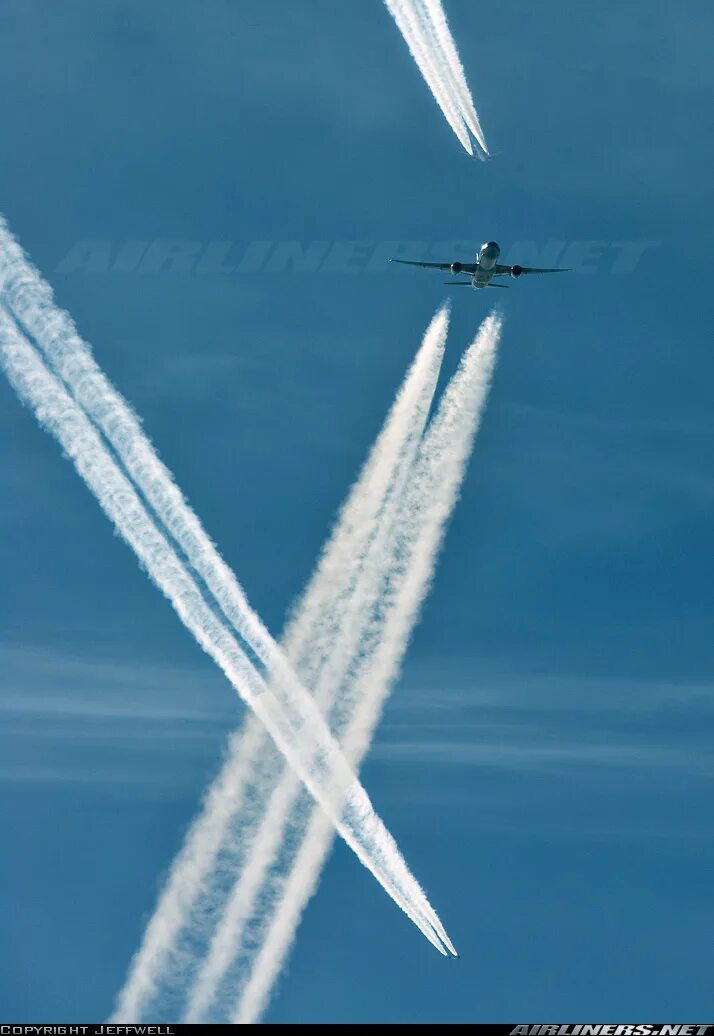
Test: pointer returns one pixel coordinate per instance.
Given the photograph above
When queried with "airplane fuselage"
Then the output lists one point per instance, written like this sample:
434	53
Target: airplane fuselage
485	264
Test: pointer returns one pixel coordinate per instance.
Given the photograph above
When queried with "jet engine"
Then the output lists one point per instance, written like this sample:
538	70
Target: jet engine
516	271
456	267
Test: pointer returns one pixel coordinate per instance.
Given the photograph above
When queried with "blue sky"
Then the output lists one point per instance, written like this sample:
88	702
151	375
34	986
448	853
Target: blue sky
545	762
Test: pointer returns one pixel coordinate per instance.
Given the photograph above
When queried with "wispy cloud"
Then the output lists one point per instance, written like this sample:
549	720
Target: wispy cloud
554	725
37	680
549	754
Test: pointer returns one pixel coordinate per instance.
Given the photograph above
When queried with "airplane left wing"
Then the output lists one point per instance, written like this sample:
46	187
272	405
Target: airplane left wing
454	267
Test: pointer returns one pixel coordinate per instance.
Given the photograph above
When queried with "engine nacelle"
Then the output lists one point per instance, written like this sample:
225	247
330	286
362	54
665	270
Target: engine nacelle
516	271
457	267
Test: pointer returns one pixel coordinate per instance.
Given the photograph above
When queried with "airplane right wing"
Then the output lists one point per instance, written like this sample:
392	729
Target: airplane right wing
516	270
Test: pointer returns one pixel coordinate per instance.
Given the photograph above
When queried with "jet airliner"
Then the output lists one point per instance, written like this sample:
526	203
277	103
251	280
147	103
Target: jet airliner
483	270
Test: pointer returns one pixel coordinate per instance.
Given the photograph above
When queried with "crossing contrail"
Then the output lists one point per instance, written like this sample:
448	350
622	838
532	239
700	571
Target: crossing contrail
324	641
316	757
309	746
401	566
224	832
426	32
432	490
30	300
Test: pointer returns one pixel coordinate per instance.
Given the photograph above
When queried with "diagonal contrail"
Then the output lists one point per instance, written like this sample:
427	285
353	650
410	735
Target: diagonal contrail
444	45
405	549
324	641
299	730
223	834
309	748
416	41
31	301
418	531
426	32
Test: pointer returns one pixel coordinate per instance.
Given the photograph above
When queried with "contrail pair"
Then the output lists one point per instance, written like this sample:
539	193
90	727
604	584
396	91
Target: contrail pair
75	402
426	32
235	816
346	639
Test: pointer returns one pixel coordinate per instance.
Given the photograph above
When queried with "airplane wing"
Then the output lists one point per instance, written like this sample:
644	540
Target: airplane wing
506	271
462	267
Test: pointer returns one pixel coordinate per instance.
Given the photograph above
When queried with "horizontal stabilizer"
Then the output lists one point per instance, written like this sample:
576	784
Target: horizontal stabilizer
498	285
455	284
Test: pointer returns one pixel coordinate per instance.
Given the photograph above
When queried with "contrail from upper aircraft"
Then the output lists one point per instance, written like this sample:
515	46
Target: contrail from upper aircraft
225	830
425	29
308	746
424	508
434	11
324	639
414	37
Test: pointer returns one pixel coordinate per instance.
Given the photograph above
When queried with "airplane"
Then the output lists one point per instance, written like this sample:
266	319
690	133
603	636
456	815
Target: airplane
483	270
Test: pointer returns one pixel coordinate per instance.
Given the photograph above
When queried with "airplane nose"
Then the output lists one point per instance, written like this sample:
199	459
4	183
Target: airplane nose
492	244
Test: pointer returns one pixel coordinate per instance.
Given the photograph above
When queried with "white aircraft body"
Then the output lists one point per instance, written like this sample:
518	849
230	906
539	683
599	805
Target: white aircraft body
483	271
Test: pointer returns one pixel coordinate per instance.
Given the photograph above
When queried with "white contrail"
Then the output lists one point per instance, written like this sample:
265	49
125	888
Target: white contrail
415	39
221	836
444	44
30	299
307	745
197	866
425	29
433	488
425	51
437	477
324	639
310	635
